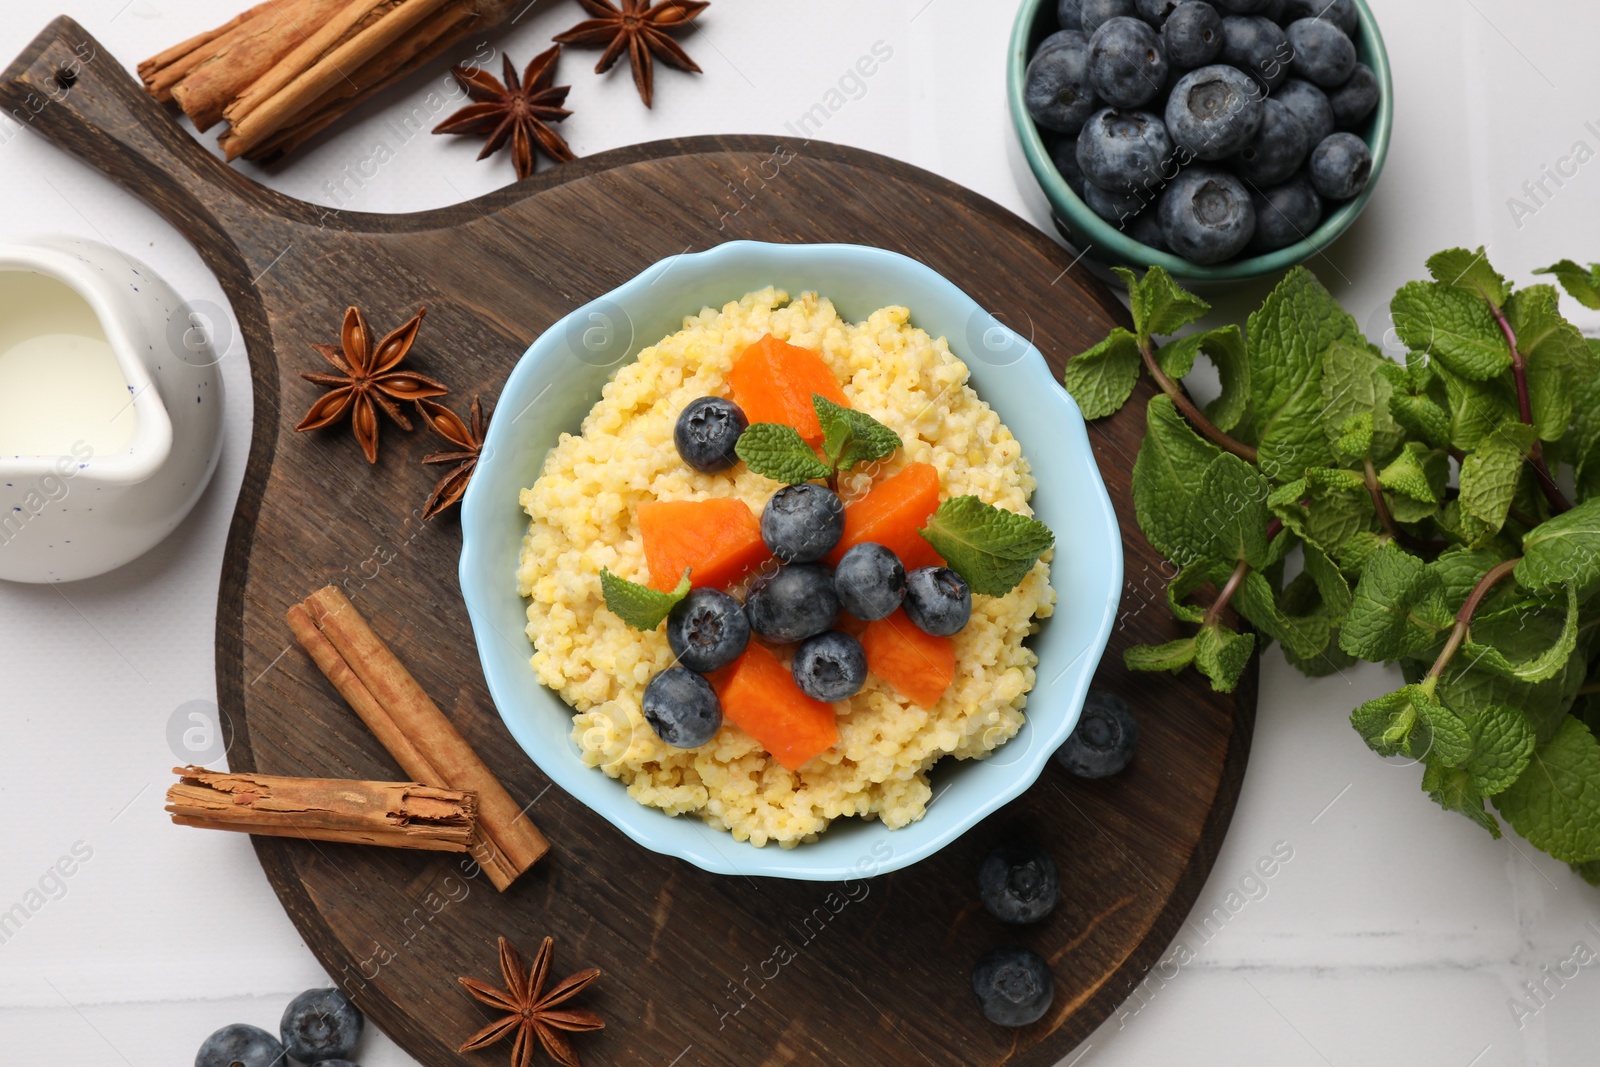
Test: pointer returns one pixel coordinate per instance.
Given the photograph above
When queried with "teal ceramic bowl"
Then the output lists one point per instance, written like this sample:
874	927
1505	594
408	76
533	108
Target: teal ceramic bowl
558	380
1101	241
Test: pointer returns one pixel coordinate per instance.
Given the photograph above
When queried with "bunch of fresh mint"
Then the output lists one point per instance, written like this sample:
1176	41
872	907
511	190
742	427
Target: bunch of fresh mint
1427	502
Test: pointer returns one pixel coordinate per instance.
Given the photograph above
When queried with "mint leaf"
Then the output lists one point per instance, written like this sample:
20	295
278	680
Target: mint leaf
1589	872
992	549
1229	516
1166	475
1303	637
1582	285
1158	305
1452	789
1563	549
1546	665
1490	473
1458	571
1225	348
1319	590
1454	327
1396	610
1543	704
1556	354
1328	507
777	451
1285	341
1502	745
1173	656
639	606
1409	473
1102	379
1555	804
1354	442
1476	409
1422	417
1470	272
1353	388
1222	655
850	437
1411	722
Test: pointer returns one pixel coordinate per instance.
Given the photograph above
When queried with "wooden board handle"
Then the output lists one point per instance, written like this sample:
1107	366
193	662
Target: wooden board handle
67	87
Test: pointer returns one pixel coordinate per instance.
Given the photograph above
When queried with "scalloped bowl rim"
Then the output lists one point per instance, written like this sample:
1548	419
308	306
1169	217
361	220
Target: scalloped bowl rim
1083	222
1070	495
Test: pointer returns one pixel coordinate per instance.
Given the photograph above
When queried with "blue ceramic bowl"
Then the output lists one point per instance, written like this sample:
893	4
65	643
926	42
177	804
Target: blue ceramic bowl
559	379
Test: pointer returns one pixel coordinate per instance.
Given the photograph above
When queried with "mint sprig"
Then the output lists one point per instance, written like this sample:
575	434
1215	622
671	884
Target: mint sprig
849	439
1427	500
638	605
991	548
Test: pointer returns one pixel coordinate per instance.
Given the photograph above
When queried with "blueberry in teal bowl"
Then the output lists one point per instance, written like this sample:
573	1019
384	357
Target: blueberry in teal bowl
1218	140
586	481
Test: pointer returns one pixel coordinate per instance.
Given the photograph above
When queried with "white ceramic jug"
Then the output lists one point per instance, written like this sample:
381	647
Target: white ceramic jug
110	409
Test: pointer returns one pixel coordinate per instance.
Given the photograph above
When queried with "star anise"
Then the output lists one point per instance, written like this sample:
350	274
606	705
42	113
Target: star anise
518	109
469	442
640	30
367	380
531	1010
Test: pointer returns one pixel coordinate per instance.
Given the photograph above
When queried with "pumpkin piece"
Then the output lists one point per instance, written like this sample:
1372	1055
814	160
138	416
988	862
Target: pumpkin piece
893	513
759	695
920	665
772	381
719	540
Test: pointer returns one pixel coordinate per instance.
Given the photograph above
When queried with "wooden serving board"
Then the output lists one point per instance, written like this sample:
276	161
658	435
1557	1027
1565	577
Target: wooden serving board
699	969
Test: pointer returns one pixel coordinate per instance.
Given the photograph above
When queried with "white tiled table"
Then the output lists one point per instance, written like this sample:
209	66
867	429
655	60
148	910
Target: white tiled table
1396	934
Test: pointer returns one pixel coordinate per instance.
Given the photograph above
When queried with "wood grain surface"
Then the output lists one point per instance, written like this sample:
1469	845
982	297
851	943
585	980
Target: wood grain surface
699	969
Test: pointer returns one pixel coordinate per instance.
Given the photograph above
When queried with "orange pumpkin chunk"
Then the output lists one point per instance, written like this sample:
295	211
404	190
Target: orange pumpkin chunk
918	664
719	540
891	514
759	695
772	381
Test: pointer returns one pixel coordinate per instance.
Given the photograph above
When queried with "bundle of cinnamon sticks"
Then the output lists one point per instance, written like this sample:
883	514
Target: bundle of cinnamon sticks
410	725
286	69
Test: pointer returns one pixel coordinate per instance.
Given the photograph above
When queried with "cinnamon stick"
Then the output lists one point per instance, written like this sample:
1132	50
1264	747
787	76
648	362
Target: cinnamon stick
287	68
397	814
411	726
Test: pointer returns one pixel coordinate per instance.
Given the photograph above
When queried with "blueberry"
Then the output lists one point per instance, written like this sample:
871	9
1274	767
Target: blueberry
1060	38
830	666
1258	46
320	1024
802	523
1273	9
1126	63
241	1045
1213	112
1192	35
1094	13
1342	13
1241	7
706	433
1146	229
937	600
1310	105
1340	166
682	708
1124	151
1117	208
792	603
1018	883
1155	12
1355	99
1206	215
870	581
1069	13
1014	986
1065	156
1057	89
1277	149
1285	214
707	630
1323	55
1104	740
